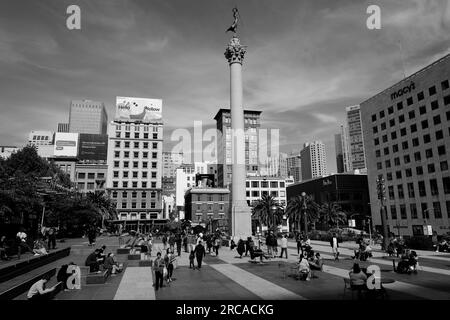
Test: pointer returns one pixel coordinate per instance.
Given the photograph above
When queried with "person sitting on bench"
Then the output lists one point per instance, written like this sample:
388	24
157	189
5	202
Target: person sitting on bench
112	265
101	256
304	270
38	291
316	263
92	261
39	248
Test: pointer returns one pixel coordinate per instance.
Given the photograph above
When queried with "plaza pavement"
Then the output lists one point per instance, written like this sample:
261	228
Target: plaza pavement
227	277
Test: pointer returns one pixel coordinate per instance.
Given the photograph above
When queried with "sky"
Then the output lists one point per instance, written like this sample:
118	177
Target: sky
306	60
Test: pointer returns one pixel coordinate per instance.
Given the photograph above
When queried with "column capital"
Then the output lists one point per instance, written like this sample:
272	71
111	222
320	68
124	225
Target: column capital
235	52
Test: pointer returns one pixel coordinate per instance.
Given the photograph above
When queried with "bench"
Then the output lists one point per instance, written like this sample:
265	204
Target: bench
19	289
23	266
98	278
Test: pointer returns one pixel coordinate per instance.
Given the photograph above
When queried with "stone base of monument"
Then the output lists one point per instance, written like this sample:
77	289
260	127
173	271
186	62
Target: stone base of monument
123	250
241	222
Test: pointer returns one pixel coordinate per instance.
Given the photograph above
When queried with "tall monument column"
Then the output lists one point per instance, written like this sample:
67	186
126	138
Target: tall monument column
240	211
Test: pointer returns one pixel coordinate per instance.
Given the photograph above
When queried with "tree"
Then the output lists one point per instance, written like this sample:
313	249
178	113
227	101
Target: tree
104	205
301	207
331	214
268	211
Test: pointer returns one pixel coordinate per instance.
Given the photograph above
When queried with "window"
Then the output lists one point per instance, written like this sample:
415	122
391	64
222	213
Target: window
125	174
116	154
403	214
154	155
127	144
420	96
417	156
134	194
136	135
437	120
376	141
155	145
383	126
447	204
255	193
419	171
426	138
153	175
437	210
116	164
115	184
431	168
145	135
389	176
432	90
393	135
409	101
125	164
145	155
374	117
429	153
125	184
375	129
413	209
117	144
422	191
434	187
444	165
379	166
127	134
439	135
153	184
155	136
401	195
447	100
415	142
81	175
400	105
144	194
145	164
135	174
274	184
386	151
391	193
422	110
124	205
144	174
136	145
91	175
444	85
411	193
114	194
441	150
382	114
396	161
134	184
401	119
446	183
405	145
392	122
385	138
434	105
447	115
80	185
391	110
124	194
393	212
133	205
413	128
126	154
154	165
408	172
100	175
395	148
388	163
398	174
425	211
403	132
255	184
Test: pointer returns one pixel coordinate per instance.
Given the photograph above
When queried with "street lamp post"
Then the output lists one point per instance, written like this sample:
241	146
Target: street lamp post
304	212
274	210
381	191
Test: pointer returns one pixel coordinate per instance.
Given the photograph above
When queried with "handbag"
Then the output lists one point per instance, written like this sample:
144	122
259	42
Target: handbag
165	272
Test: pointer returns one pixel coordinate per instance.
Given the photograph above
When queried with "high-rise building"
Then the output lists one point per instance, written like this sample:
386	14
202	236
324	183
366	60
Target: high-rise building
294	166
171	161
407	141
63	127
339	152
275	166
135	162
224	150
313	159
342	148
88	116
355	138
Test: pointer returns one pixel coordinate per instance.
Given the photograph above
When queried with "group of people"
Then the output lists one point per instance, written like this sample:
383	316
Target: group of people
396	246
98	260
408	262
364	251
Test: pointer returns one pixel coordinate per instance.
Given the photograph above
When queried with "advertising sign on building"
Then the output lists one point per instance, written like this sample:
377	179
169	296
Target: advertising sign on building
66	144
130	109
93	147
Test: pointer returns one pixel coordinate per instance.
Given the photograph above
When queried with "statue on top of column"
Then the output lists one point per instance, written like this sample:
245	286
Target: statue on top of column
233	27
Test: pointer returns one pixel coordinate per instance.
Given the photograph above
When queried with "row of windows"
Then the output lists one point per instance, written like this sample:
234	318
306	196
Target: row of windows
409	101
431	168
134	194
126	164
88	186
426	213
407	158
90	175
208	208
134	184
142	216
207	197
256	193
128	127
441	151
134	174
264	184
136	144
439	135
421	187
126	154
134	205
136	135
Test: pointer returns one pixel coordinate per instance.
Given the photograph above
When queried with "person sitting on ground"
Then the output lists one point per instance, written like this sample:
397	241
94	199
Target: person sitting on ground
413	261
92	261
39	248
38	290
357	279
304	269
112	265
101	254
62	275
317	262
3	248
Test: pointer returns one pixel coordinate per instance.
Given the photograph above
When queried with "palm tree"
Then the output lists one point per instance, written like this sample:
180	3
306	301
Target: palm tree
105	205
331	214
302	208
268	211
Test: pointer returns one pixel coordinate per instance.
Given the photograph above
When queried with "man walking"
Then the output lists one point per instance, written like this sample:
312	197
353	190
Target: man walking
200	252
158	267
334	246
284	246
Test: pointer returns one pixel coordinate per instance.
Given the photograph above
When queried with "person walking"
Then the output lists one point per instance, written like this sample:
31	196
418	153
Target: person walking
185	243
158	267
299	243
191	260
92	234
164	241
200	252
51	238
169	261
240	248
217	245
178	242
172	243
284	246
334	246
22	242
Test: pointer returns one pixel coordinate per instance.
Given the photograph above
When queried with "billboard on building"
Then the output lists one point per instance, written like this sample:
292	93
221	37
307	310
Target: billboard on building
66	144
93	147
138	109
